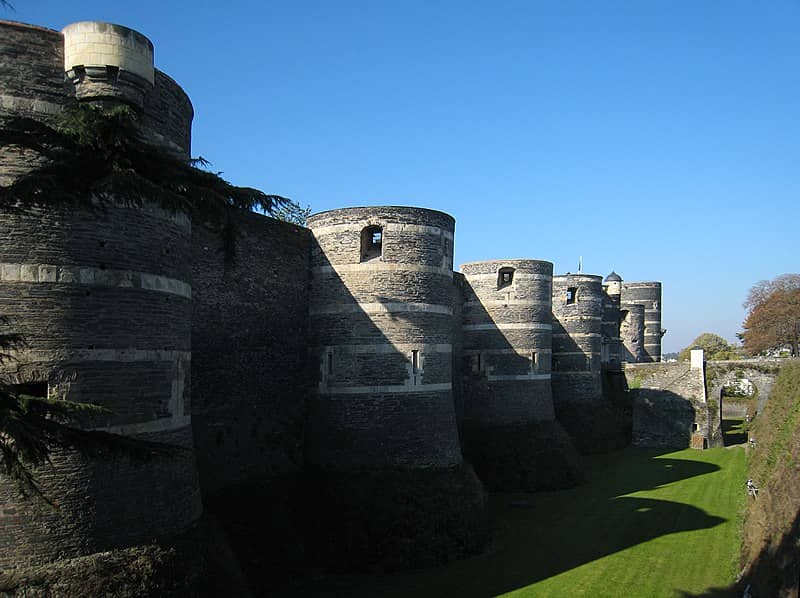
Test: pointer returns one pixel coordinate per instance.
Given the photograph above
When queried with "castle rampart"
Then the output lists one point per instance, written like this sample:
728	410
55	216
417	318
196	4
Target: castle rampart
346	351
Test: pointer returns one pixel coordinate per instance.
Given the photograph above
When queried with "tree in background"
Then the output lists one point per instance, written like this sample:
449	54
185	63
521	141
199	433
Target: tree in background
773	322
292	212
761	291
715	347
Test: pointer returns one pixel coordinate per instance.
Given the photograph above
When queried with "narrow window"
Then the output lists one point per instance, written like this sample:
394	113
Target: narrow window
330	363
572	295
371	243
505	277
415	367
534	361
555	365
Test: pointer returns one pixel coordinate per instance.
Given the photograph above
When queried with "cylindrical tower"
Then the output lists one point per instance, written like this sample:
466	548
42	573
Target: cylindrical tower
647	294
509	422
611	345
102	299
381	313
591	419
577	336
507	326
632	333
381	323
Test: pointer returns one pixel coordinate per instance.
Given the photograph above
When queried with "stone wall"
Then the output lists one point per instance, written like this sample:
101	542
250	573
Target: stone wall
669	406
249	346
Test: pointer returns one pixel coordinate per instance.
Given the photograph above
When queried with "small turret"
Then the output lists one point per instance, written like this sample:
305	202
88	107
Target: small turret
108	62
613	284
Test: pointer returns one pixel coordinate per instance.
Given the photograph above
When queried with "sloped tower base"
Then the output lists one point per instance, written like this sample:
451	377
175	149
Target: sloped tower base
395	519
523	457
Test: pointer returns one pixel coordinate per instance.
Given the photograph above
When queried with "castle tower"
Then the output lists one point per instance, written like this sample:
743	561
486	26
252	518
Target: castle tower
381	318
611	344
632	333
647	294
381	314
589	417
507	327
508	406
103	300
577	335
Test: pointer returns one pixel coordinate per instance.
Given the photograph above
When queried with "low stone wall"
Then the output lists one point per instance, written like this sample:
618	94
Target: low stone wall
669	406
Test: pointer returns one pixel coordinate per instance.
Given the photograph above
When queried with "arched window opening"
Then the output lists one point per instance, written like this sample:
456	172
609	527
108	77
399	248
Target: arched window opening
572	295
371	243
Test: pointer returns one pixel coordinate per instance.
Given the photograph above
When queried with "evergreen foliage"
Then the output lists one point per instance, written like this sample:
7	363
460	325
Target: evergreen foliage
93	156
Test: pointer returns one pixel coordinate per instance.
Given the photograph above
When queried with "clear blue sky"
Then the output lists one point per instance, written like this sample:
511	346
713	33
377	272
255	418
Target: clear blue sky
659	139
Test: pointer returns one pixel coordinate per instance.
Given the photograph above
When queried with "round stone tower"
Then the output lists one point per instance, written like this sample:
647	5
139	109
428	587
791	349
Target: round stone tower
592	421
102	299
611	343
381	319
577	335
381	311
632	333
647	294
507	327
508	405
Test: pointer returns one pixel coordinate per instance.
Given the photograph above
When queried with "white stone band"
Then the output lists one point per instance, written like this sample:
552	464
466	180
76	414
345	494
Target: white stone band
506	326
379	266
378	308
355	227
391	389
384	348
87	275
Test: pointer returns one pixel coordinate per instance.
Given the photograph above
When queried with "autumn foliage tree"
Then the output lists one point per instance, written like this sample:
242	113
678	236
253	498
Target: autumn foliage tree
773	319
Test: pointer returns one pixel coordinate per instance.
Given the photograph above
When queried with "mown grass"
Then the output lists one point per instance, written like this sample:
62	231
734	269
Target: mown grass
646	523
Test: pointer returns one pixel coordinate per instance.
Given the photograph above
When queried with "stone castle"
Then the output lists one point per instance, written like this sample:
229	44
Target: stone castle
349	348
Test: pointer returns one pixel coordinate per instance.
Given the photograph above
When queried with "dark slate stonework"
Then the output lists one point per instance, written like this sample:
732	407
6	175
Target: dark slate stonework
249	346
670	409
497	352
368	318
105	501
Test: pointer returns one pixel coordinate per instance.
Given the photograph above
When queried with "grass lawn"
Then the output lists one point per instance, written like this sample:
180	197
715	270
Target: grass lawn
646	523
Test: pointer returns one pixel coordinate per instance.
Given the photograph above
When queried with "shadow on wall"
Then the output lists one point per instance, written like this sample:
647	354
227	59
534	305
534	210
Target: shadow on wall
387	485
662	419
509	431
589	402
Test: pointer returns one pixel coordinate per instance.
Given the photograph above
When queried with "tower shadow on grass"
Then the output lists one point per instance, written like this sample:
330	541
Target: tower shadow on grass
538	536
